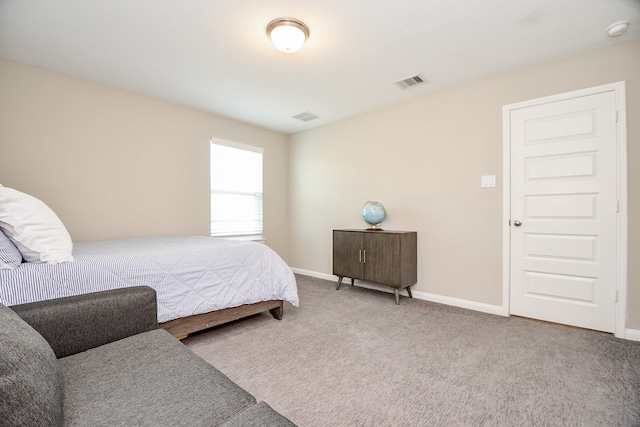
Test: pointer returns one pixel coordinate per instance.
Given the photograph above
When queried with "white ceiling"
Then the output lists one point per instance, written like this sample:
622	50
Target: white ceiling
214	55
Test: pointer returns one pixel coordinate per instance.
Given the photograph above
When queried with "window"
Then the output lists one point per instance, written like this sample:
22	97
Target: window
236	189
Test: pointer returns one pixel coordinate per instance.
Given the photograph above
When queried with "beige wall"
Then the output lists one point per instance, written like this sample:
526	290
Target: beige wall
423	159
116	164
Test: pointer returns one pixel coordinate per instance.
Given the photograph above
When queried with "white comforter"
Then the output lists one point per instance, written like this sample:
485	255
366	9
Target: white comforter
191	274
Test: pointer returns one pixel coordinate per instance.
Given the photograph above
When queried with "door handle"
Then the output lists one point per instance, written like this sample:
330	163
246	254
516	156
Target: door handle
517	223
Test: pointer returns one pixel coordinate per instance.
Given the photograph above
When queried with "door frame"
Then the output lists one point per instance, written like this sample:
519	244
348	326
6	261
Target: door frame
619	88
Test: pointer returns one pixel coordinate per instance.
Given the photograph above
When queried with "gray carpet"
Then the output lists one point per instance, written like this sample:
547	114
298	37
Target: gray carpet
354	358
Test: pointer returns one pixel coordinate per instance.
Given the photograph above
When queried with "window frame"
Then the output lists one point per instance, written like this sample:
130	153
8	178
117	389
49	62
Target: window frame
255	233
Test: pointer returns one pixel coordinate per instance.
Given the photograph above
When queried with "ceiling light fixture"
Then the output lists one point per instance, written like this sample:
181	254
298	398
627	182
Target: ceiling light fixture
287	34
618	28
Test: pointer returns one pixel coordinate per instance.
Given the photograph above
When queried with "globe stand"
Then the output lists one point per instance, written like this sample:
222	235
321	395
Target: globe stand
375	228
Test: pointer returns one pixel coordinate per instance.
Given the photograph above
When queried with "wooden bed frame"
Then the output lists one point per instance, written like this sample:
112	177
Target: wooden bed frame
180	328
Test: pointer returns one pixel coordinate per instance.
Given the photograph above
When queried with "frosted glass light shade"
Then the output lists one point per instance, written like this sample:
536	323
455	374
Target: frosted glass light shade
618	28
287	34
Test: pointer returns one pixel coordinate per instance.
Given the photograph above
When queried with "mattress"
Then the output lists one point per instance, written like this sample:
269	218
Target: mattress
191	274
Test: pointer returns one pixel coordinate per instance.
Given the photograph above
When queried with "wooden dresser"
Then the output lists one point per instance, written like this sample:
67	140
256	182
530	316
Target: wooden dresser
384	257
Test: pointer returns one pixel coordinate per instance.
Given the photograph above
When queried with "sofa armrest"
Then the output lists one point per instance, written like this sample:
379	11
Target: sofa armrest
78	323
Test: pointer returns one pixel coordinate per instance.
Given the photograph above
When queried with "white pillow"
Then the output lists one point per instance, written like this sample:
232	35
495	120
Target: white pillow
34	228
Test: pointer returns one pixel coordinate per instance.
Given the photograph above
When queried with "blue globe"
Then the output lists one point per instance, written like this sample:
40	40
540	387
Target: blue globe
373	213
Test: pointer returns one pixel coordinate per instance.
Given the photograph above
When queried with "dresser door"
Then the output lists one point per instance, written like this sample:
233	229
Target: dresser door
348	254
382	258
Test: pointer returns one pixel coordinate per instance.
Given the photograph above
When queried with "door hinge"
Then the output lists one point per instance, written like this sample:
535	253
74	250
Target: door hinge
617	206
616	116
616	296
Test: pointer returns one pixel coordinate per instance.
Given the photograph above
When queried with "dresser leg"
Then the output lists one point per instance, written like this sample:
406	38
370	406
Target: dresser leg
339	282
397	295
408	288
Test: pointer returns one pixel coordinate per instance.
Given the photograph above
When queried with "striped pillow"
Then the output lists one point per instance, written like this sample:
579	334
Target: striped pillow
10	256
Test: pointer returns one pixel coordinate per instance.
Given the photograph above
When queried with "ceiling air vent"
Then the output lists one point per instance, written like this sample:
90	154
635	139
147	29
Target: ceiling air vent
410	82
305	116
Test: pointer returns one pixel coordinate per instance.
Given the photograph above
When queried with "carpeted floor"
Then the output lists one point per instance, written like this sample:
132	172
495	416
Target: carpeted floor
354	358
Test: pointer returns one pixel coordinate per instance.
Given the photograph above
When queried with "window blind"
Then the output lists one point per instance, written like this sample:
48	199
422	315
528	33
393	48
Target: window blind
236	189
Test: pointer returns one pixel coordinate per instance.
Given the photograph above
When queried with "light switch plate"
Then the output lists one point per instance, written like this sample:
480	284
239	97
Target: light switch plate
488	181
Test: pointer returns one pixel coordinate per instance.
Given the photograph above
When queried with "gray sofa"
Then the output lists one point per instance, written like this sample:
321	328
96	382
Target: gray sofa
100	360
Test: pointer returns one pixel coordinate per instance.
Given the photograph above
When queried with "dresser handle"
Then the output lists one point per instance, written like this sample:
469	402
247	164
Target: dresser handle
364	256
360	255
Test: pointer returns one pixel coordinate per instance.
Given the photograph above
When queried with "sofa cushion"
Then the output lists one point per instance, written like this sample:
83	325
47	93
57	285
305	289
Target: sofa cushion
149	379
30	380
259	415
77	323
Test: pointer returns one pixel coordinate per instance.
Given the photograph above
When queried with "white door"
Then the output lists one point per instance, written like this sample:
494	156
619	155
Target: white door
564	208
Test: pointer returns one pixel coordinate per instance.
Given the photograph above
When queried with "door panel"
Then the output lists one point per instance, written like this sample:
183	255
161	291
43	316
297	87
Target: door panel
554	246
563	192
382	258
560	287
561	126
562	166
347	253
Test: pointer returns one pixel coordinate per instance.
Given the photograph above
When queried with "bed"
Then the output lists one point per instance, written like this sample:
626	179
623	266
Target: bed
200	281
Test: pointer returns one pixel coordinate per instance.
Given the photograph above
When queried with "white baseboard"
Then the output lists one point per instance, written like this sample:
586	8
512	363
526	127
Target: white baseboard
440	299
462	303
315	274
632	334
